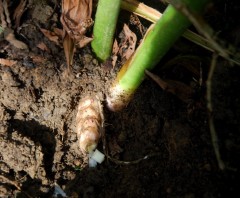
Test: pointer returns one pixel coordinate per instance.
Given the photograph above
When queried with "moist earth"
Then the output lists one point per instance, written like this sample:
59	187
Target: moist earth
159	145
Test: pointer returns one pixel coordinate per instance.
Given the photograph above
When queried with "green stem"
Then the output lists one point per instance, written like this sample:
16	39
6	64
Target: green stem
158	40
104	27
153	15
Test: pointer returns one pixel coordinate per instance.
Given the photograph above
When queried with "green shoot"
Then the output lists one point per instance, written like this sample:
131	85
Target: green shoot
157	41
153	15
104	27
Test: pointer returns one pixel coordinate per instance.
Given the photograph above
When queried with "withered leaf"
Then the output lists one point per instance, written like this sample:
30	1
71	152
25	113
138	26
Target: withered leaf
10	37
7	62
52	36
19	12
114	53
128	47
115	47
68	45
43	47
179	89
76	19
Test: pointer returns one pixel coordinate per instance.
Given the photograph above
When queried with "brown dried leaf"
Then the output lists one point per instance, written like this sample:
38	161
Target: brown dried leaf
4	14
58	32
114	60
128	47
19	12
115	51
136	21
52	36
179	89
84	41
76	18
43	47
115	47
10	37
7	62
68	45
37	59
152	14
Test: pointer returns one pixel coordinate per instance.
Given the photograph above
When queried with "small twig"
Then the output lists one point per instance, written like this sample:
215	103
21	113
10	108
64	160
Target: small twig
213	132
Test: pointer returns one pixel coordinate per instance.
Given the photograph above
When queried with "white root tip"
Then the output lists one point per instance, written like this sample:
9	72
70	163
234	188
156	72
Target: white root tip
96	158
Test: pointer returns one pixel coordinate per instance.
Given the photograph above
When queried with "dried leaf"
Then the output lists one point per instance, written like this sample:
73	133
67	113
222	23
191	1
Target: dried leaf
4	14
84	41
58	32
138	8
52	36
179	89
10	37
114	60
76	18
19	12
7	62
115	47
43	47
37	59
68	45
114	53
128	47
136	21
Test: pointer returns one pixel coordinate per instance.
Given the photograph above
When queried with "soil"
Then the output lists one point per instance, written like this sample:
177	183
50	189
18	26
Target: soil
38	106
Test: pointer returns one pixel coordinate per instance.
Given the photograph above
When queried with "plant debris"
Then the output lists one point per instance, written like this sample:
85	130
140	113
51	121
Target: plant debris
5	22
179	89
127	48
7	62
76	20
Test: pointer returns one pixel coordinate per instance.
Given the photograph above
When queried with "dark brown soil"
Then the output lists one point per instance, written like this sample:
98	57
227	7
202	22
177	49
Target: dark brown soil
38	104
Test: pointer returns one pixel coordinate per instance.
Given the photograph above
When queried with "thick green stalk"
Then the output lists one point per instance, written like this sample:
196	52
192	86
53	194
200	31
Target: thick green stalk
104	27
153	15
158	40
